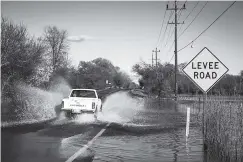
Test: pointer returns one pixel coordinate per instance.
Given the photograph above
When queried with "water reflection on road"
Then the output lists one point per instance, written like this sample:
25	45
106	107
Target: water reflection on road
155	132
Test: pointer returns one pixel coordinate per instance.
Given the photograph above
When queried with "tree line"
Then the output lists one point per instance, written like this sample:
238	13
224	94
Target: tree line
160	81
38	61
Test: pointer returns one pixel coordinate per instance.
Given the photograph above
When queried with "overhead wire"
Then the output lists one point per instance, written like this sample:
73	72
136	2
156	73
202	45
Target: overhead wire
193	19
179	15
189	24
159	38
161	27
171	13
172	57
207	27
189	14
170	36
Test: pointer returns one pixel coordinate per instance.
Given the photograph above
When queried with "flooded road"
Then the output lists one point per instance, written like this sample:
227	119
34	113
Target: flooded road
139	130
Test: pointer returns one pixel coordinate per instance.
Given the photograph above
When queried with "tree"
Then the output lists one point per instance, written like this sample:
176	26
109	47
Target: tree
20	54
241	82
155	80
118	80
93	74
57	45
121	79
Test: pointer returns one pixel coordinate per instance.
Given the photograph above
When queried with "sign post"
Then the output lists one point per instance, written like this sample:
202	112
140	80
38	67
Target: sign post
187	122
205	70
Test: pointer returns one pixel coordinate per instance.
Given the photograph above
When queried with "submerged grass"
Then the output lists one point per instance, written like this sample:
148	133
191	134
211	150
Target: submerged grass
223	129
223	124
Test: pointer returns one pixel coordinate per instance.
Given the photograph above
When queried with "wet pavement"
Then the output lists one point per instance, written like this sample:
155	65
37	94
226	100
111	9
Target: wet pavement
139	130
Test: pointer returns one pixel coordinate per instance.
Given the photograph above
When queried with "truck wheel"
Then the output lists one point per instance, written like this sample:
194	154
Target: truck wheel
101	108
95	116
69	115
96	112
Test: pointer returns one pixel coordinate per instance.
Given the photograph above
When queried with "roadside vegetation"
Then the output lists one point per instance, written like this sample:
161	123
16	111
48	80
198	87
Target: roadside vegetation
160	81
32	68
155	81
224	129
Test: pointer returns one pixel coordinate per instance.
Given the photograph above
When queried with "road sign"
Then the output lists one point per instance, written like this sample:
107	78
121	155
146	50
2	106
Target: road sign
205	70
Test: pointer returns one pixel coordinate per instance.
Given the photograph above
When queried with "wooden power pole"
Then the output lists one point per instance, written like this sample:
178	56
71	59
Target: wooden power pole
156	56
152	59
175	9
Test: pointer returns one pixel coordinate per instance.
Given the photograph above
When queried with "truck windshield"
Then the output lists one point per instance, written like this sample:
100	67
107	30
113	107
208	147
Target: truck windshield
83	93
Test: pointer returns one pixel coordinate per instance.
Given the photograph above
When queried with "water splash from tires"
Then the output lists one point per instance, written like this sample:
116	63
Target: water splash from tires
34	104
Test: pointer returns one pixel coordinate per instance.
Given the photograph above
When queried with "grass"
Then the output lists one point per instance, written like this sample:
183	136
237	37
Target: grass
224	129
223	124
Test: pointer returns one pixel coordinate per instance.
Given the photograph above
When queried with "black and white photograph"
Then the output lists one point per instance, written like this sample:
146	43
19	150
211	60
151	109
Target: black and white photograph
121	81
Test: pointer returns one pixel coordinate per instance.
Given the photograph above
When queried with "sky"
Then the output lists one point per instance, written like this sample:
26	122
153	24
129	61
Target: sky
127	32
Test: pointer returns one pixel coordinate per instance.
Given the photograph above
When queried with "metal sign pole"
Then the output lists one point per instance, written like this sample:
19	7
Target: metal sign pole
203	118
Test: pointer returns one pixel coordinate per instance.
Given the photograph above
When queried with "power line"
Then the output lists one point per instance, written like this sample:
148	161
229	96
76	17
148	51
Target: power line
179	15
207	27
170	48
170	37
193	19
167	23
190	13
174	30
183	21
172	58
181	10
161	28
171	13
181	26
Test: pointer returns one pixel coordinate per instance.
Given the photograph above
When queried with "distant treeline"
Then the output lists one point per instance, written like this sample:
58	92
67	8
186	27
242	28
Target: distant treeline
38	61
161	81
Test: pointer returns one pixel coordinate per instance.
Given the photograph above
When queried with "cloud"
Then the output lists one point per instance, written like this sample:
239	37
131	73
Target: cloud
79	38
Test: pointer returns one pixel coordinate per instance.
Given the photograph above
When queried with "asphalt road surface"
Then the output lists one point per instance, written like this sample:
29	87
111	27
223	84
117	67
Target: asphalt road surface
128	129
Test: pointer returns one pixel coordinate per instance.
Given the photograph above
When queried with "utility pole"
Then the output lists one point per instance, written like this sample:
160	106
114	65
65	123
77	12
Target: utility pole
156	56
156	61
176	23
152	59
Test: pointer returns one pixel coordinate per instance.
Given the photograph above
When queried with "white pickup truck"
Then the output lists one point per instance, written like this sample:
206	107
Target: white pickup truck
81	101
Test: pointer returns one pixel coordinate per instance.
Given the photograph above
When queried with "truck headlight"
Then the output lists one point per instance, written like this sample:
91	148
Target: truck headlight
93	105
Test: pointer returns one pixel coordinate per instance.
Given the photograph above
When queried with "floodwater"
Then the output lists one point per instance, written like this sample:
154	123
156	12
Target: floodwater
140	130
